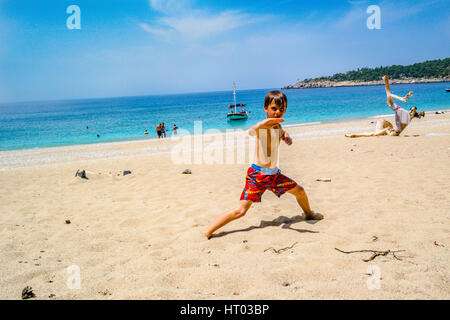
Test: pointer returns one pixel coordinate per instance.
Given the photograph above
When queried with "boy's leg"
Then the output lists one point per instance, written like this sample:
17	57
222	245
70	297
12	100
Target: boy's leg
228	216
302	200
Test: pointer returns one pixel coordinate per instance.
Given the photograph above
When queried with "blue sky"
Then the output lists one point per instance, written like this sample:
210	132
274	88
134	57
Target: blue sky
143	47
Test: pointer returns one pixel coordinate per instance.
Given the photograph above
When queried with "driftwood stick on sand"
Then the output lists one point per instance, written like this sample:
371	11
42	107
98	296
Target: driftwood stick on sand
375	254
282	249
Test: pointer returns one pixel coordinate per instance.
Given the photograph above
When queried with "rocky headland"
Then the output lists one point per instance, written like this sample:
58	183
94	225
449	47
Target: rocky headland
328	83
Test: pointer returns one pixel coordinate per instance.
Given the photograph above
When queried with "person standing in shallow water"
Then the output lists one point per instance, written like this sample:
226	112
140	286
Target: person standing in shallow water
158	131
174	129
163	129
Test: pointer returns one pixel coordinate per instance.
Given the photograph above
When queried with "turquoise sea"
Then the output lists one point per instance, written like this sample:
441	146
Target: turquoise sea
60	123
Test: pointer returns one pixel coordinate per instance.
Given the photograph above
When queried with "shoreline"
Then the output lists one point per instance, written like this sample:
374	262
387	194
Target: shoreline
337	84
139	140
49	156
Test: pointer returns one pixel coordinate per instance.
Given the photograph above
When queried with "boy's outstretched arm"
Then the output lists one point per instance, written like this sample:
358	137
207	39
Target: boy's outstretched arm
265	124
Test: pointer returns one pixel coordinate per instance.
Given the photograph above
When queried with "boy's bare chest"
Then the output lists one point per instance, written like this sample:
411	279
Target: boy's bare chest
268	142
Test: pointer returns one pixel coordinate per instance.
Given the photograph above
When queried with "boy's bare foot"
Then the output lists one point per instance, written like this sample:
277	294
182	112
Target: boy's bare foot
313	216
385	77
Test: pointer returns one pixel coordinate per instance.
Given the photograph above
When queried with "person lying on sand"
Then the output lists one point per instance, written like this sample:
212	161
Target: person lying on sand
402	117
264	174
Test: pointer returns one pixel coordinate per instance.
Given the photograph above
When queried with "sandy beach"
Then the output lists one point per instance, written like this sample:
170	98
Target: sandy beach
138	236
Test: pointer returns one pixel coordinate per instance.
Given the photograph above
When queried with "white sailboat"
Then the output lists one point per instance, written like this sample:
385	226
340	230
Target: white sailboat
235	114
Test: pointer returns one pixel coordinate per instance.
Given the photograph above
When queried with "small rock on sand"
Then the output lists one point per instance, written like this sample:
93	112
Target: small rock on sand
81	174
187	171
28	293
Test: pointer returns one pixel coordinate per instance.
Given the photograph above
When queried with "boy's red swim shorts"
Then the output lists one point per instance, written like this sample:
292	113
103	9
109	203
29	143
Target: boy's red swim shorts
257	182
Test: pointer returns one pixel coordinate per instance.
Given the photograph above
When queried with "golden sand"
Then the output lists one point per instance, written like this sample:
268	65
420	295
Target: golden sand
139	236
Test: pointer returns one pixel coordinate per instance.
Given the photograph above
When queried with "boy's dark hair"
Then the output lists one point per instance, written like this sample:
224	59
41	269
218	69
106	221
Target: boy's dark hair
277	96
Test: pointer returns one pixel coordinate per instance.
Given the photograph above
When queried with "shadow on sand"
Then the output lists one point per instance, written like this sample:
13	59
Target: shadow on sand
282	221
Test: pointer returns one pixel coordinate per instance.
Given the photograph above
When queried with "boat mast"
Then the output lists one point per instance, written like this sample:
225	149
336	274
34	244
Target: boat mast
234	94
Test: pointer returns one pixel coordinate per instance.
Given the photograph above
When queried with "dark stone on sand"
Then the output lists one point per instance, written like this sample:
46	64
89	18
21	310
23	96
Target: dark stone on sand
187	171
81	174
67	221
126	172
52	295
286	284
28	293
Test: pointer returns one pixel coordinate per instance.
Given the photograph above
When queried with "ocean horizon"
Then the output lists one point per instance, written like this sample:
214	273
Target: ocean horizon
42	124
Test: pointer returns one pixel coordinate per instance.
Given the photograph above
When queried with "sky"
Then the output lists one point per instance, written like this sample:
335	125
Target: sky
146	47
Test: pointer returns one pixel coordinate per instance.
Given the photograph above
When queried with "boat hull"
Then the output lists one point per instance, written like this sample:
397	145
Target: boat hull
237	116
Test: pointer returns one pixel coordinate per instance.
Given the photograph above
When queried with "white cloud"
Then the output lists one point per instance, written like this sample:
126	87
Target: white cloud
396	11
352	17
201	26
181	22
155	31
169	6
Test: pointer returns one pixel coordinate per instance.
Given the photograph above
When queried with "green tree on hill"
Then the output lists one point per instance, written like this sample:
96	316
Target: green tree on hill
439	68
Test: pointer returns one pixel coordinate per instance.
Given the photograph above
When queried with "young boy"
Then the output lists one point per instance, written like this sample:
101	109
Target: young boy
264	174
